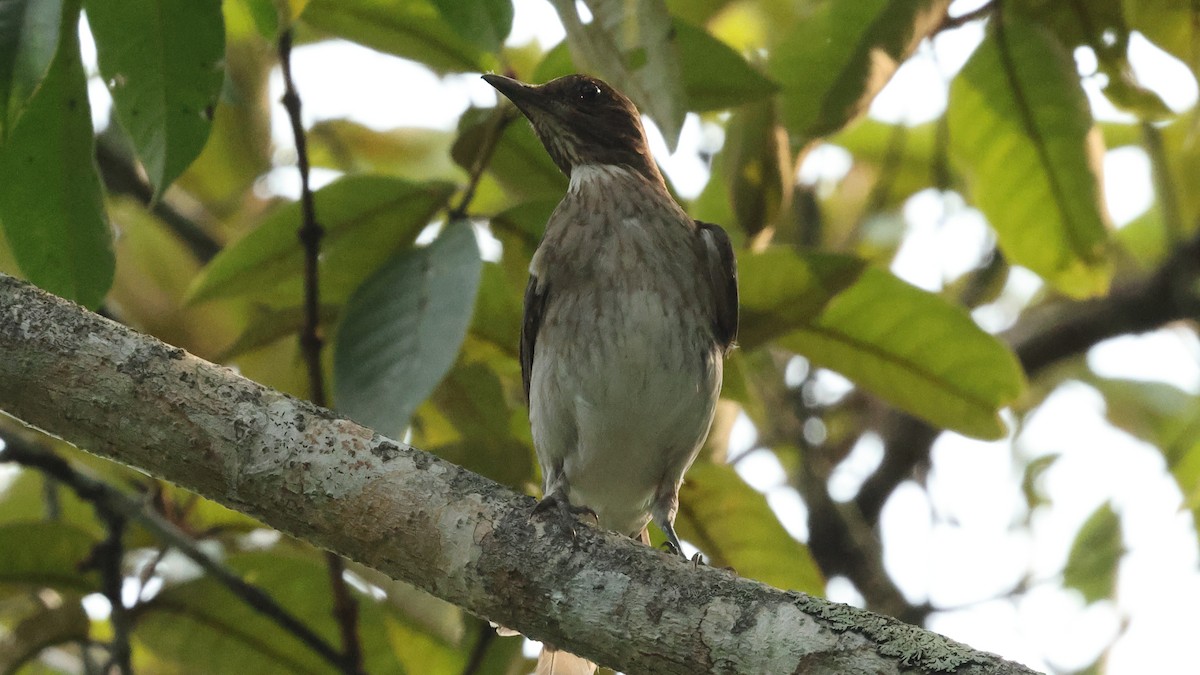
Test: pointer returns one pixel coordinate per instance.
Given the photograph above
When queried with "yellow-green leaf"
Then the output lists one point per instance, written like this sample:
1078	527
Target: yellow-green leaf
366	219
835	59
734	526
1092	564
412	29
1022	133
913	348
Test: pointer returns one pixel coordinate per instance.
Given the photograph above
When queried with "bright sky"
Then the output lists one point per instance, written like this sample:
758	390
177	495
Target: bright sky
955	545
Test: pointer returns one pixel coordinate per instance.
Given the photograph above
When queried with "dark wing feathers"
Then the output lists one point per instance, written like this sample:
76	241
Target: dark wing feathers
717	254
535	304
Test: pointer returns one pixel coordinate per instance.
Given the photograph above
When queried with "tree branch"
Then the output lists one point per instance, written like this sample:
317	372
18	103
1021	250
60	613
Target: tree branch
416	517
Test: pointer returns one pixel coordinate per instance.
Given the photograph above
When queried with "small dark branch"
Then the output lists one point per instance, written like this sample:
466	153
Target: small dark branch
108	499
487	635
106	556
345	608
907	441
1043	337
893	158
952	22
310	232
345	613
497	123
122	177
1068	329
840	540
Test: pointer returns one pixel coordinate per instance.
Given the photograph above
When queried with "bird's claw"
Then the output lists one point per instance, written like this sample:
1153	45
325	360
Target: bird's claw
558	507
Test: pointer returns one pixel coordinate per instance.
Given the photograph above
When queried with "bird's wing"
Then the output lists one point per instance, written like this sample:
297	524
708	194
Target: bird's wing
717	254
535	304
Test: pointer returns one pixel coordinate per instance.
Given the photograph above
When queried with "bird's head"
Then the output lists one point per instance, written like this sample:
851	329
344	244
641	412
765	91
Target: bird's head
582	120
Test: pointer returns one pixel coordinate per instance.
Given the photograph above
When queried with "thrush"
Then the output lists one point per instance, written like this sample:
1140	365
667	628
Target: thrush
630	309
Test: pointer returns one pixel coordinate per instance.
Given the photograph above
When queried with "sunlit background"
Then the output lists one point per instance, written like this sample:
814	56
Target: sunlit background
957	543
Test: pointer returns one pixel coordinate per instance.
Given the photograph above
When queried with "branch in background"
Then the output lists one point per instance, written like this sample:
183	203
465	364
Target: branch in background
951	22
106	557
907	441
418	518
1043	337
501	117
345	608
487	635
121	176
1068	329
841	542
107	499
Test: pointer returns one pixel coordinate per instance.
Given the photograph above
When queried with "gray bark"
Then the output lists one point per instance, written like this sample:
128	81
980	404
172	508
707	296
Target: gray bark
323	478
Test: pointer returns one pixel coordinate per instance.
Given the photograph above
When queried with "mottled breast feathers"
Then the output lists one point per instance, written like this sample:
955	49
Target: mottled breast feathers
716	255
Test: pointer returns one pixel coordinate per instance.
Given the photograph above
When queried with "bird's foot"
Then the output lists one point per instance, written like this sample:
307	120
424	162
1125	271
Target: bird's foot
557	507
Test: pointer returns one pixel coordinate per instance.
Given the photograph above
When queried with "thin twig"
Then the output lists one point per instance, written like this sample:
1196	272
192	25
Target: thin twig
501	117
345	607
104	496
106	557
310	232
951	22
487	635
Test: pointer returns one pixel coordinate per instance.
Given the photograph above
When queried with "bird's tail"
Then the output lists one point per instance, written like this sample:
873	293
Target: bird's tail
558	662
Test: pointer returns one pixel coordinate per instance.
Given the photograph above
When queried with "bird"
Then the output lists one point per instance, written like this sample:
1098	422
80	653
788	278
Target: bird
630	310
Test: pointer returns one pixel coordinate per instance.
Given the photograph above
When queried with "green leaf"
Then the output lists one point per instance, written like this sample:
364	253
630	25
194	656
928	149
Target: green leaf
45	627
631	44
908	158
51	205
519	163
1170	24
780	291
833	62
1022	132
910	347
1092	564
29	32
1164	416
350	147
481	422
29	497
714	75
201	628
401	331
408	28
734	526
269	324
46	554
485	23
366	220
163	61
757	169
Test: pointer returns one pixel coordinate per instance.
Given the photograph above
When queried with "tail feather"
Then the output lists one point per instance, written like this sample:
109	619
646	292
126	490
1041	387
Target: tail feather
558	662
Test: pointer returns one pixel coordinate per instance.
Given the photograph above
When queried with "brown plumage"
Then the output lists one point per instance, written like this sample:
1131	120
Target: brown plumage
630	309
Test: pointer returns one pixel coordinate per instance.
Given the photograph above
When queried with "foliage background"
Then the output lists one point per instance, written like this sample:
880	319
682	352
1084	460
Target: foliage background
171	219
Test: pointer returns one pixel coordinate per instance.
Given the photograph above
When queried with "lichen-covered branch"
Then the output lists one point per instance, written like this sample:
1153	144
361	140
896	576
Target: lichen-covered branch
327	480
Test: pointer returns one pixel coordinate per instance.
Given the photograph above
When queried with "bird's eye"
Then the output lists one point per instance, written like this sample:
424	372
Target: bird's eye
587	91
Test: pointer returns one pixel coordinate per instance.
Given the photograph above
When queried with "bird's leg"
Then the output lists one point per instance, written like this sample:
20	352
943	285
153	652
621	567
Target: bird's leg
666	504
557	502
